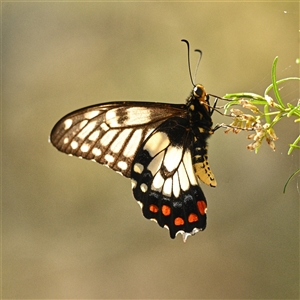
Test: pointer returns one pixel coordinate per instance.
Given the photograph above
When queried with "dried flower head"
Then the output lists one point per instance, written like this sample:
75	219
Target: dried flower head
262	132
246	104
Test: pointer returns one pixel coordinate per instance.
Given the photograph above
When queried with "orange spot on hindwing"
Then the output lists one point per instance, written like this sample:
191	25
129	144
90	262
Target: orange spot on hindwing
193	218
202	207
166	210
178	221
153	208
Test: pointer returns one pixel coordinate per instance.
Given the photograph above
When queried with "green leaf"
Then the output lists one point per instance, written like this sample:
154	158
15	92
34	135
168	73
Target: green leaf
274	83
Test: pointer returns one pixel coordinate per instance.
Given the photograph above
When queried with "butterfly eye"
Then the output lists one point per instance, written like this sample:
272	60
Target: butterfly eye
199	91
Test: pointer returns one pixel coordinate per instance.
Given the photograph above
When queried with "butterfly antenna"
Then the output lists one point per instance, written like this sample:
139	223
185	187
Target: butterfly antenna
189	61
198	63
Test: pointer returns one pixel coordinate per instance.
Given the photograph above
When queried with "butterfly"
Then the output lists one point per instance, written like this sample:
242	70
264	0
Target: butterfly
161	147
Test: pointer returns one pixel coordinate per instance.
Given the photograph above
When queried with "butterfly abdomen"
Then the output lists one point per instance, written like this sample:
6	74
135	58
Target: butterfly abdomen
201	124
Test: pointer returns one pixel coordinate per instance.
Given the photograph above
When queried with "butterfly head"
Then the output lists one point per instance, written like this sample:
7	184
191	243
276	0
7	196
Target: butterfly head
199	94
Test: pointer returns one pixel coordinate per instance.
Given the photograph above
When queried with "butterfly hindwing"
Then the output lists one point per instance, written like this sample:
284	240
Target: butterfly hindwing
110	133
164	182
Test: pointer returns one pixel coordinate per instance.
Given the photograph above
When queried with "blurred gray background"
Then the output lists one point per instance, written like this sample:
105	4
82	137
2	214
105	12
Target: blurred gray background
71	228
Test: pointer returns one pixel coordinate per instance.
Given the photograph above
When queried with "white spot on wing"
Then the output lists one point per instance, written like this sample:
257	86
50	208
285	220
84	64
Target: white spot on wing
157	142
91	114
167	190
96	151
122	165
172	158
85	148
144	188
74	145
109	158
68	123
138	168
66	140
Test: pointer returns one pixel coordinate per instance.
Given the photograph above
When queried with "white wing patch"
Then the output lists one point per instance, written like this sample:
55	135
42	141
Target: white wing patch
92	114
94	136
187	160
167	190
133	143
104	127
183	178
108	137
118	143
172	158
170	166
155	163
131	117
86	130
157	143
176	185
136	115
157	182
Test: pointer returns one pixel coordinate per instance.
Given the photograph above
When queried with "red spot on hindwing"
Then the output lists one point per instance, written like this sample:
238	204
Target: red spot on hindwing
202	207
153	208
178	221
192	218
166	210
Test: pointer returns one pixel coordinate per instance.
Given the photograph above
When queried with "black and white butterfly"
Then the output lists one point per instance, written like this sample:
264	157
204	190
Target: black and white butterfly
161	147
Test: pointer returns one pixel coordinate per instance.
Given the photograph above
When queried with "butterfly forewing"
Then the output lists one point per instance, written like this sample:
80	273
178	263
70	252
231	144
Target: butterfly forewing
111	133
